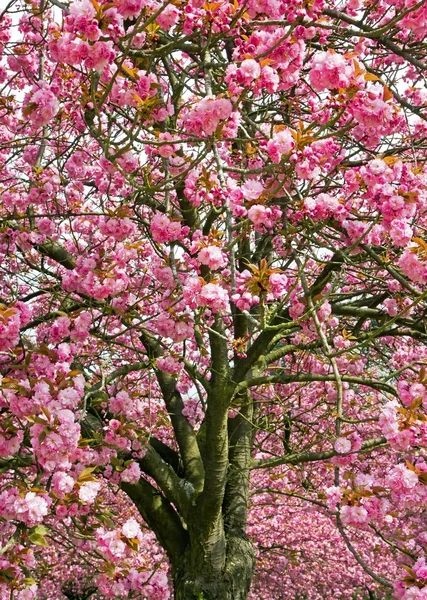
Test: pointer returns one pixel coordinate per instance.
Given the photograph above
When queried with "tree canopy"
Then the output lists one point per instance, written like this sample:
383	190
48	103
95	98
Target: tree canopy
212	299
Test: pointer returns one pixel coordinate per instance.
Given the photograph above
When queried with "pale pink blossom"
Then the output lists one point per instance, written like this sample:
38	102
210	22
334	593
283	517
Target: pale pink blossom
260	215
213	257
40	105
270	79
281	143
330	71
400	232
354	515
131	529
62	484
412	266
278	283
129	8
342	445
252	189
249	70
214	296
131	474
165	230
82	8
89	491
168	17
203	119
333	496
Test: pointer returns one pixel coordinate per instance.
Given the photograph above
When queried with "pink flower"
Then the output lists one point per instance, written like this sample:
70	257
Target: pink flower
41	105
249	71
258	214
101	54
281	143
10	323
169	364
420	568
212	257
129	8
128	162
356	441
192	410
245	300
10	444
131	529
321	206
81	19
333	495
412	266
270	79
119	229
131	474
391	306
278	283
31	509
330	71
353	515
121	402
401	479
62	484
82	8
110	544
214	296
167	150
389	424
371	110
165	230
400	232
342	445
168	17
252	189
60	329
206	115
324	311
296	309
88	491
68	50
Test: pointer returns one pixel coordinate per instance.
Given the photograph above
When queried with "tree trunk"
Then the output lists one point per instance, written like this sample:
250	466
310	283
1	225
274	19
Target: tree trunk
194	578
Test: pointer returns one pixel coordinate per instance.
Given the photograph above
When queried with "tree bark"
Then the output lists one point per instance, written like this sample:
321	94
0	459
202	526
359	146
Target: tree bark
194	577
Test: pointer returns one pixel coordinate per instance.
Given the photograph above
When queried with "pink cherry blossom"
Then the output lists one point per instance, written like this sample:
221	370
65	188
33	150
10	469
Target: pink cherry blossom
168	17
213	296
330	71
252	189
131	529
249	71
88	491
206	115
342	445
212	257
131	474
40	105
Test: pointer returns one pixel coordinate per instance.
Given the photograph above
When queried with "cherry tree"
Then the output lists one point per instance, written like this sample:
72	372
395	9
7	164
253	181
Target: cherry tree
213	299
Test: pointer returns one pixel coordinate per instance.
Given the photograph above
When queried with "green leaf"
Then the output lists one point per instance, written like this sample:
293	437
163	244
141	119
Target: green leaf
40	530
86	475
38	540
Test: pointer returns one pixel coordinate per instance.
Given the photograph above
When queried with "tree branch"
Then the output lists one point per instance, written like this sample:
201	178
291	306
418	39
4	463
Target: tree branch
160	516
303	457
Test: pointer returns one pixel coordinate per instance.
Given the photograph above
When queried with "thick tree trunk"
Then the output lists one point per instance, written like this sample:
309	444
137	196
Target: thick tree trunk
194	578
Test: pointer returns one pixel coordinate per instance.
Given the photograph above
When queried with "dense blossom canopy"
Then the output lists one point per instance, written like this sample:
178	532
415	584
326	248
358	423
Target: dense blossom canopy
213	269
